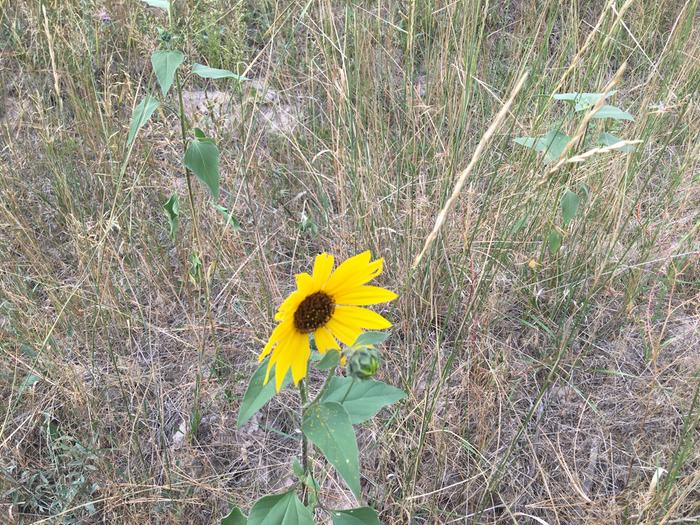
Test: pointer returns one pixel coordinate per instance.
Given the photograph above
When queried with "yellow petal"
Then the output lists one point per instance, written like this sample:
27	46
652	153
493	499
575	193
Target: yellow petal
289	305
346	333
323	266
278	333
267	372
282	357
325	340
354	315
354	272
301	353
305	283
363	295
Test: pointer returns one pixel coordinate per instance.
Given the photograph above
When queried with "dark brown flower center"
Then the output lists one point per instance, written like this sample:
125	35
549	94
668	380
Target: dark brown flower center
313	312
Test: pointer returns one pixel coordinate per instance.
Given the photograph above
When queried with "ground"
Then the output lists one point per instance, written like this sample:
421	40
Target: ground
550	361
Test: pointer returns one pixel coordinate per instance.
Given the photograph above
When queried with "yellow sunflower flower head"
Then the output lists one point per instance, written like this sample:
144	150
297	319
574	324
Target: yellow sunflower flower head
327	304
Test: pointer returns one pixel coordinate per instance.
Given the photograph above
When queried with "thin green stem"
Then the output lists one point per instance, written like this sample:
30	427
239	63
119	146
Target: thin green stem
304	443
354	380
325	386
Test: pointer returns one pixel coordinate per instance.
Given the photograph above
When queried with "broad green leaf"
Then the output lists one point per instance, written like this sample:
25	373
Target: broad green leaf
519	225
583	100
552	144
363	399
142	112
327	425
28	381
165	64
554	241
235	517
298	469
371	338
195	273
230	219
172	212
585	192
330	360
211	72
569	206
258	394
361	516
202	158
280	509
613	113
608	139
161	4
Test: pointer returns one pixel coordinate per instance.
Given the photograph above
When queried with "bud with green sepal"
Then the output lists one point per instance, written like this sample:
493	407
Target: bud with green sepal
364	362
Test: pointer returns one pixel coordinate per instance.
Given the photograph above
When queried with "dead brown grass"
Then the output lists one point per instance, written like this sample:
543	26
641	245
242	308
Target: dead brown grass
559	394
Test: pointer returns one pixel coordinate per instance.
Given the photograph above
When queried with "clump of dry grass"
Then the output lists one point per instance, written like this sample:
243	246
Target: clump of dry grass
559	392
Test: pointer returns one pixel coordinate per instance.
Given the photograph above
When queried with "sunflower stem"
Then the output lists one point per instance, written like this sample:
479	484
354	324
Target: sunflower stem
304	443
325	386
352	384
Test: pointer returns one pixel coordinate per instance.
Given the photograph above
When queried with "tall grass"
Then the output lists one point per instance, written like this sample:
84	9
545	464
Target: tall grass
542	387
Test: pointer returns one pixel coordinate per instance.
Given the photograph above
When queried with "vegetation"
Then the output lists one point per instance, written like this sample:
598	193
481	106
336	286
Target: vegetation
528	170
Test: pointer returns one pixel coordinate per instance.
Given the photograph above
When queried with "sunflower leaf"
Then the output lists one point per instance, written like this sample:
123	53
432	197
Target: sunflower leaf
202	158
360	516
165	64
280	509
142	112
328	361
172	212
608	139
258	393
371	338
211	72
554	241
361	399
612	112
583	101
552	144
235	517
327	425
569	206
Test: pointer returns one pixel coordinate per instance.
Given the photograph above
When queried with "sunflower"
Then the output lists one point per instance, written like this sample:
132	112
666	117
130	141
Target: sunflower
326	304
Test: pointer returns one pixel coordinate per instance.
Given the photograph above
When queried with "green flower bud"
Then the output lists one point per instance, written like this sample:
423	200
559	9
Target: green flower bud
364	362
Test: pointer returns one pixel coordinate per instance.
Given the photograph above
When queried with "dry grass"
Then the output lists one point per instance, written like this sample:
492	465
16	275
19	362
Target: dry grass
563	391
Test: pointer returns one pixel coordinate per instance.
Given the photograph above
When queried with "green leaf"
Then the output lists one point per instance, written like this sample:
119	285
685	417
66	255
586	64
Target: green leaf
165	64
364	399
552	144
142	112
280	509
161	4
613	113
328	361
258	394
298	469
361	516
569	206
583	100
202	158
554	241
211	72
519	225
608	139
371	338
172	212
327	425
28	381
230	219
235	517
